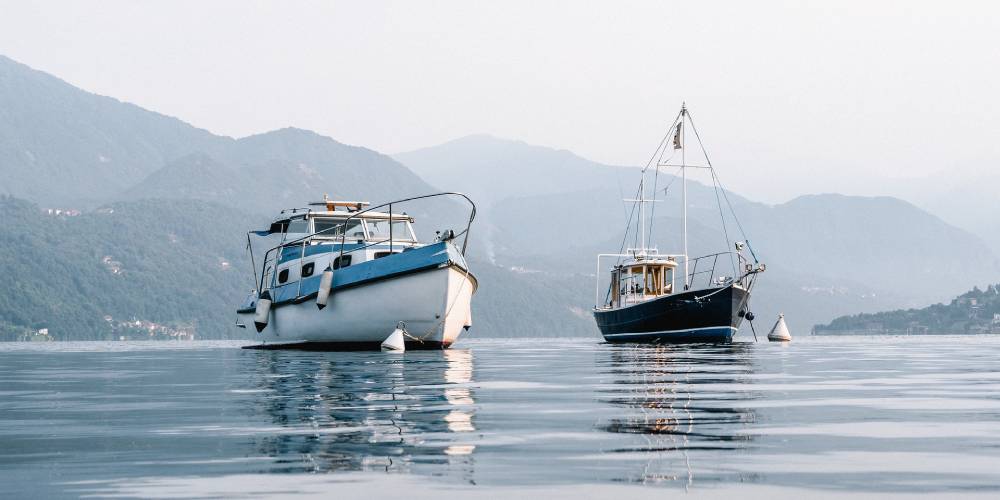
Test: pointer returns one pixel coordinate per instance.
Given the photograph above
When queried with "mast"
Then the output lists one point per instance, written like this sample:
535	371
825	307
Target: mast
684	195
642	211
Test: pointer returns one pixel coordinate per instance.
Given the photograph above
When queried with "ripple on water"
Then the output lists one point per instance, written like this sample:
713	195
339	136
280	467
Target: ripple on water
891	415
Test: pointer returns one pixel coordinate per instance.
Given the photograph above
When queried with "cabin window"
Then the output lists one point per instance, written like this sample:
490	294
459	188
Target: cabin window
379	230
283	276
335	228
632	282
654	279
298	226
307	270
379	255
342	261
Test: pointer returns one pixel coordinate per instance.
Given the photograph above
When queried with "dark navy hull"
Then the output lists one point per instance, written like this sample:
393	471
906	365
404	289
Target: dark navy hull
707	315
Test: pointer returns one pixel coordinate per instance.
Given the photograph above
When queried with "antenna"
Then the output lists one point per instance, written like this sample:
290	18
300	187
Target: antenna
684	195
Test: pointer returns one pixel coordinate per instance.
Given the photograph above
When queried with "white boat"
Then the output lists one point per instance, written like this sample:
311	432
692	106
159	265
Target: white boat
344	275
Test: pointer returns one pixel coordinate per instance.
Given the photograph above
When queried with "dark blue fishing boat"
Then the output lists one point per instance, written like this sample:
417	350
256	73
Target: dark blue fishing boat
645	301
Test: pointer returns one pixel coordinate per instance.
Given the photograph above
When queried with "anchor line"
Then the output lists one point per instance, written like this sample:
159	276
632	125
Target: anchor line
446	313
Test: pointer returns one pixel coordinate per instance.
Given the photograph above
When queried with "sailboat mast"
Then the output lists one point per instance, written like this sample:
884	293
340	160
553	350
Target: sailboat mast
642	211
684	196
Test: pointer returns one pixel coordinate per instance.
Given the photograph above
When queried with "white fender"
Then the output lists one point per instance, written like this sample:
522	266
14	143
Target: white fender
325	284
263	311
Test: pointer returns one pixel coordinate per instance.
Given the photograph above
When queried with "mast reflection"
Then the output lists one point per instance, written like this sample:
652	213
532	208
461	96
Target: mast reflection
678	401
335	412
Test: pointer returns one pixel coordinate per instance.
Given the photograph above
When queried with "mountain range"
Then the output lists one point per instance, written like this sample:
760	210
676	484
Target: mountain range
827	255
167	203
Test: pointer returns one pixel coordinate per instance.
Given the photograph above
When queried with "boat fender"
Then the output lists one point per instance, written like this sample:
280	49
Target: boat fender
263	311
325	287
779	333
395	342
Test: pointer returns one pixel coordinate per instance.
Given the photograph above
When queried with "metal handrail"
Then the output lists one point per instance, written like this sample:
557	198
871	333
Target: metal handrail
468	226
343	237
711	272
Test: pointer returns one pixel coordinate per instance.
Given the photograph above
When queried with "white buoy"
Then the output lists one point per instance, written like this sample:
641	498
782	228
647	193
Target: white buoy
263	311
780	331
324	288
396	340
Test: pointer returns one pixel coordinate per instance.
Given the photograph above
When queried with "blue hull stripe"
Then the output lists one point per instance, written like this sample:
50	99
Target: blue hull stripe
427	257
706	334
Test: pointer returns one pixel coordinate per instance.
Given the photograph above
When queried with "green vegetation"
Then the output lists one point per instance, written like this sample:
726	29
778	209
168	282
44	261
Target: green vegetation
153	260
976	311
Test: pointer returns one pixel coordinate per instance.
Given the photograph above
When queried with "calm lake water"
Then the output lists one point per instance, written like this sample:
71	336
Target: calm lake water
556	418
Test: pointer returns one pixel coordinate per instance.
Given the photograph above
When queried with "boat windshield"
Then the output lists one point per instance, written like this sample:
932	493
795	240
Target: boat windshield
379	230
334	228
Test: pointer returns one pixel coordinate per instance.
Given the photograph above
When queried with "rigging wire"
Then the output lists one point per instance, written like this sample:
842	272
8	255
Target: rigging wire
659	161
652	159
628	223
725	231
719	187
724	195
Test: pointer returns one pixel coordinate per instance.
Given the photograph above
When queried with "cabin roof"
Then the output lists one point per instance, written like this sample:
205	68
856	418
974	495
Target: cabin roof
367	215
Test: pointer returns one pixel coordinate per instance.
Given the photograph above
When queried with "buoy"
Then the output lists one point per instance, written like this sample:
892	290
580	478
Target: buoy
262	312
395	341
324	288
780	331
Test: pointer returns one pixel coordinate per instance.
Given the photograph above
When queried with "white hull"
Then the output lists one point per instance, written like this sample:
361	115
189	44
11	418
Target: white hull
434	304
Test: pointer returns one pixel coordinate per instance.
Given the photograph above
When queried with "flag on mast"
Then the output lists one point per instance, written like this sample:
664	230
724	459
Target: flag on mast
677	136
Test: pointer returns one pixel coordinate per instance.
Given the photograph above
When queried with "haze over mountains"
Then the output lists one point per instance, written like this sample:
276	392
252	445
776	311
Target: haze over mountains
103	155
827	255
182	199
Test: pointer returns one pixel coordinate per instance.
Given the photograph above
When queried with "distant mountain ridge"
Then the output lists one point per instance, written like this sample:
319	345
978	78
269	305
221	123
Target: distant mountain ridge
827	254
276	169
62	145
505	168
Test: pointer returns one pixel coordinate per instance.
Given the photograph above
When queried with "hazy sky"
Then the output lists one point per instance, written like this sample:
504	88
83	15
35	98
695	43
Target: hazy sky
791	97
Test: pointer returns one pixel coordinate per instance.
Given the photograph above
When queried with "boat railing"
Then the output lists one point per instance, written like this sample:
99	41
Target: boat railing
464	234
273	255
709	264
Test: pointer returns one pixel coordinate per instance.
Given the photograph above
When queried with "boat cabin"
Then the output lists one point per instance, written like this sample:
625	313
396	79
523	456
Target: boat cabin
337	226
311	240
638	280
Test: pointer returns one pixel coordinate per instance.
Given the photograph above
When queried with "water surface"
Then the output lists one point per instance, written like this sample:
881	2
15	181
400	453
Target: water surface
869	416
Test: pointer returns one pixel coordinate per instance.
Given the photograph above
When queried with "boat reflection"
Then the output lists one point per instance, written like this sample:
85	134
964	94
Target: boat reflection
681	402
334	412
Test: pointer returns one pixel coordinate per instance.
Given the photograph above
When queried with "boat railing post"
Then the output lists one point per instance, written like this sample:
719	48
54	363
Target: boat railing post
302	256
711	276
253	265
689	279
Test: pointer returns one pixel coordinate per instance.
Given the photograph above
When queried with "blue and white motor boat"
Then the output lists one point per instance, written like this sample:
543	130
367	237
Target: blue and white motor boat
345	274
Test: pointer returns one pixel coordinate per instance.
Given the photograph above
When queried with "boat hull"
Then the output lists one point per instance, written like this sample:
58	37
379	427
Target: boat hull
708	315
435	305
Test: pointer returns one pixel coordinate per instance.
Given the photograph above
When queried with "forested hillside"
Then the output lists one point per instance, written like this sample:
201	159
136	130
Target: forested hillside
159	261
976	311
